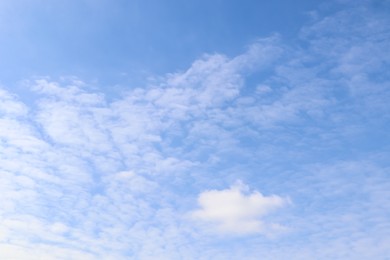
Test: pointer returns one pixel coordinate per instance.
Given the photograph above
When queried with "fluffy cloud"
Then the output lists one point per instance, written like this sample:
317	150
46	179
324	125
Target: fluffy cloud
235	210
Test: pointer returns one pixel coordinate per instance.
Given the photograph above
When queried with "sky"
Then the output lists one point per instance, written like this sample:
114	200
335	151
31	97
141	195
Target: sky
194	129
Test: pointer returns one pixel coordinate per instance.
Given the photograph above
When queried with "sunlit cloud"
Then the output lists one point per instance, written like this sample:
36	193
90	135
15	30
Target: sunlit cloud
236	210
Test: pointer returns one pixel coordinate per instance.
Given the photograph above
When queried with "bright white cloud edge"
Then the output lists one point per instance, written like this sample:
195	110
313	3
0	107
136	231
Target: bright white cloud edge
237	210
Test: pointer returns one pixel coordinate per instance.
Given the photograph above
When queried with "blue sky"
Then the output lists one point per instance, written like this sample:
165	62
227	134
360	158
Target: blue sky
194	129
126	39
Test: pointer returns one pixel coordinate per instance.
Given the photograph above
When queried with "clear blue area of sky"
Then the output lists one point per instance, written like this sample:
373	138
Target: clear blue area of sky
124	41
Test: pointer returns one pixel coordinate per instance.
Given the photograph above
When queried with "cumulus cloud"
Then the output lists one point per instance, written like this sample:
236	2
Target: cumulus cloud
236	210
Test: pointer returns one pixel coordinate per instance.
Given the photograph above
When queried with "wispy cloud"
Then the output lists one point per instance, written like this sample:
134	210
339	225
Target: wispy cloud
84	176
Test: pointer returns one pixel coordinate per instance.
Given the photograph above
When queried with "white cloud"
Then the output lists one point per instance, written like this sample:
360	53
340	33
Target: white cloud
10	106
237	211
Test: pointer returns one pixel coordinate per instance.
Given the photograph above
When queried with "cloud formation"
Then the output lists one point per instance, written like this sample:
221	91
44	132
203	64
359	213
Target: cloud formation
87	176
235	210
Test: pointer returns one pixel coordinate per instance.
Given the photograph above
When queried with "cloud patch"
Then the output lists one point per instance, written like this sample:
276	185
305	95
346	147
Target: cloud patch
237	210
